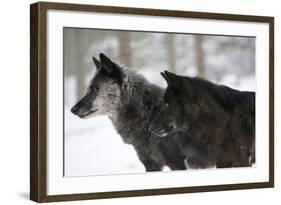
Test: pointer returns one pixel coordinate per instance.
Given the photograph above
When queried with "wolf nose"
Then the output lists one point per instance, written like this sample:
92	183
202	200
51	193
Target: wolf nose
74	110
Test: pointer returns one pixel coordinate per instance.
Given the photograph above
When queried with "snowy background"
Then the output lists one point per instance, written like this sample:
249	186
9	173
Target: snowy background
92	146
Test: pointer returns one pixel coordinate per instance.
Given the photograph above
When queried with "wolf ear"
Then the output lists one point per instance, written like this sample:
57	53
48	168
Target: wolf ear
166	78
97	63
110	68
171	78
107	64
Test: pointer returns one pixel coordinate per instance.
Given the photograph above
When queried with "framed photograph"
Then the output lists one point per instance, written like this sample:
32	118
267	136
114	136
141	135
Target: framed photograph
133	102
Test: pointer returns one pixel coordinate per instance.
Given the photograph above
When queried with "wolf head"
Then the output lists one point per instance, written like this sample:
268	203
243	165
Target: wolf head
170	114
189	104
103	93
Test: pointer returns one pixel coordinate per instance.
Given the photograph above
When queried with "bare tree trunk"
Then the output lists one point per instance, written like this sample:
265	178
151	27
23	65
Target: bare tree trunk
125	53
171	52
80	42
198	39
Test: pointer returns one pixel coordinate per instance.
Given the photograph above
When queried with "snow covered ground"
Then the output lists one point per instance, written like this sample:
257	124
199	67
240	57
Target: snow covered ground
92	146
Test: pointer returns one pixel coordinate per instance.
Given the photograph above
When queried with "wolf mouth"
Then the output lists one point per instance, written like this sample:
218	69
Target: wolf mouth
85	115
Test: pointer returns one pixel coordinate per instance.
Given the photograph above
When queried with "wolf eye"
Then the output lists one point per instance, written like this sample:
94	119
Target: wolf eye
167	104
172	126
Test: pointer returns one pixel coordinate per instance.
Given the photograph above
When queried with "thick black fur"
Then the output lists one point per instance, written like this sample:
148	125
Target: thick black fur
219	120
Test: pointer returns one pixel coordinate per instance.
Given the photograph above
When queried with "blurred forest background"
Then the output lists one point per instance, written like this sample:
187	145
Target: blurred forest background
92	146
220	59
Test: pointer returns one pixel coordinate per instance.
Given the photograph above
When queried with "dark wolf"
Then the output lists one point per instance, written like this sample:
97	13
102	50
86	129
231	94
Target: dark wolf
128	99
219	120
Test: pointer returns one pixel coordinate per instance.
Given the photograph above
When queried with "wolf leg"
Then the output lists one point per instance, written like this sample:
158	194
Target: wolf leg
224	164
200	163
176	163
149	163
151	166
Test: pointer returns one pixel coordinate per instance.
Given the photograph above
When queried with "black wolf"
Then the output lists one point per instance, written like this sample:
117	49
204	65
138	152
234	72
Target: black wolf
219	120
129	101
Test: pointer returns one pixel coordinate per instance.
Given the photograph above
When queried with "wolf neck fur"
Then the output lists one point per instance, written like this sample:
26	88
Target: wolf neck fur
138	98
